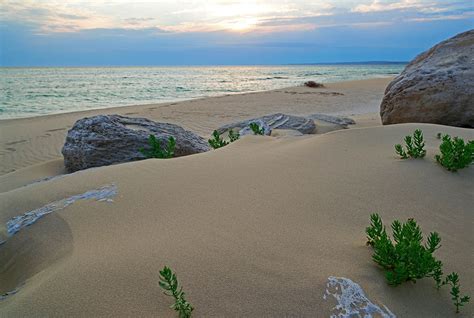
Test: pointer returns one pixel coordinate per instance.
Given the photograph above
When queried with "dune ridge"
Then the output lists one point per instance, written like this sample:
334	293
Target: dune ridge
253	229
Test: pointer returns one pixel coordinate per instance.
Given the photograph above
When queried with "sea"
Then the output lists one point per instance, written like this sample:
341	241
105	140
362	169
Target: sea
27	92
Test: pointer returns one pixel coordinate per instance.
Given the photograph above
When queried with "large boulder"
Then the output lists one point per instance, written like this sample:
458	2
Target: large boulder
108	139
436	87
274	121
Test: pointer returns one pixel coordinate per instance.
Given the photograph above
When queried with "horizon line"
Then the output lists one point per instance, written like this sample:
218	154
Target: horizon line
205	65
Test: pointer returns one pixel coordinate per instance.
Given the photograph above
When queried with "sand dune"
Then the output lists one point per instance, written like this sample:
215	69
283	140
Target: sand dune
253	229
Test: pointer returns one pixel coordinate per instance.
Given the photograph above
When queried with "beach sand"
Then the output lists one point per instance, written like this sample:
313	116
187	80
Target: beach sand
254	229
29	141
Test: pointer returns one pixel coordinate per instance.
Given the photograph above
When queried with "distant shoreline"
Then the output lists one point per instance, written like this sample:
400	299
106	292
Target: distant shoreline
29	92
123	108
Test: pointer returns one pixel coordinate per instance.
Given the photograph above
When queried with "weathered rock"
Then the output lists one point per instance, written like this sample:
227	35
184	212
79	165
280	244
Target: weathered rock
313	84
267	130
436	87
276	121
337	120
108	139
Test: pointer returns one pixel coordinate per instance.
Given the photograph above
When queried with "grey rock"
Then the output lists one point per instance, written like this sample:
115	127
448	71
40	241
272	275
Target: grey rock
15	224
313	84
267	130
436	87
275	121
343	121
108	139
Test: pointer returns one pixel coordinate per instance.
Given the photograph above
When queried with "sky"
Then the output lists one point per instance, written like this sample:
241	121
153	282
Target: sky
223	32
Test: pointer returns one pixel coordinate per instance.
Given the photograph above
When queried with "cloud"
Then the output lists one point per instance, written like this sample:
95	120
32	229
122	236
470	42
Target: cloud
72	16
463	16
415	6
330	41
378	5
241	17
193	32
53	17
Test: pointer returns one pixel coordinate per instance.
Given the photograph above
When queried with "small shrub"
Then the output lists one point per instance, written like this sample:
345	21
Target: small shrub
453	280
399	150
409	259
313	84
455	153
414	146
157	151
233	136
216	141
438	135
169	282
256	129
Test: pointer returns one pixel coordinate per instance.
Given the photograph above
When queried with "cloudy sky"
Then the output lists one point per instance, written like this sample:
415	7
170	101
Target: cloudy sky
208	32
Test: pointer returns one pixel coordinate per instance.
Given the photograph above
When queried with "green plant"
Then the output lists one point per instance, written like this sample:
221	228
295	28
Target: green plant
438	135
169	282
455	153
399	150
233	136
375	230
453	280
438	276
407	258
216	141
256	129
414	146
157	151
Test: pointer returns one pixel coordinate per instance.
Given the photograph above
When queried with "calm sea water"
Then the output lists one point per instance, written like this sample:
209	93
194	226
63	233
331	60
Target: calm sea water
26	92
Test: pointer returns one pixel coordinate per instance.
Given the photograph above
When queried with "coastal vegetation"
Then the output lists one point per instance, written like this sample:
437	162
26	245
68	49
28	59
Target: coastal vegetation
414	146
458	300
157	151
169	282
406	258
256	129
217	141
233	136
455	153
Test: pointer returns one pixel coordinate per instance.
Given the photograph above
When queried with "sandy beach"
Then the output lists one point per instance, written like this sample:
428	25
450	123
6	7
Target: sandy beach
29	141
254	229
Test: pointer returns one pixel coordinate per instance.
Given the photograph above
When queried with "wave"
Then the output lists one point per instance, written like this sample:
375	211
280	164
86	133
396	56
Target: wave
29	91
